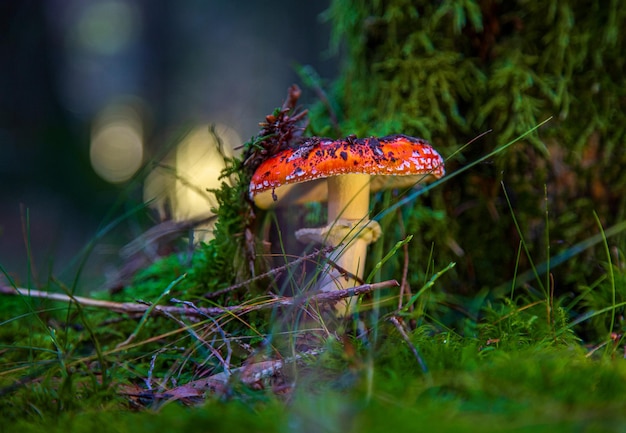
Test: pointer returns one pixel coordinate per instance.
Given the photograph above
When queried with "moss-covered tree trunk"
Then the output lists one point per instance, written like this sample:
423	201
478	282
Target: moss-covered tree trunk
450	70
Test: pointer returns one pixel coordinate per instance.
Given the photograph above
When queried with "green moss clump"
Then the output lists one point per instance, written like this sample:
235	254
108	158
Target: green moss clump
448	71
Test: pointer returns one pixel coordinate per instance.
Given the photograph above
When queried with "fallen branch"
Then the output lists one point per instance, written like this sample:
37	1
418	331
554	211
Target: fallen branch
140	308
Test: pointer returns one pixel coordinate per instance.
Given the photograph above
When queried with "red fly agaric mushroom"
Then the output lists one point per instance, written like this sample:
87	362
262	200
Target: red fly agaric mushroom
344	172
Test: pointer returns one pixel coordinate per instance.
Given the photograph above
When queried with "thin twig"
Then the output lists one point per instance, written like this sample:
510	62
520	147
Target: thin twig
213	350
229	350
404	335
271	273
148	380
137	308
344	273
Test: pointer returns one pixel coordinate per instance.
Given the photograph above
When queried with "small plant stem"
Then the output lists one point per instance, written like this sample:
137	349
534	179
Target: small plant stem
605	244
519	232
406	338
405	288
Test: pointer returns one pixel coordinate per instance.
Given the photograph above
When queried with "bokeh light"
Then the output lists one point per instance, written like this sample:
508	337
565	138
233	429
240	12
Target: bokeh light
117	147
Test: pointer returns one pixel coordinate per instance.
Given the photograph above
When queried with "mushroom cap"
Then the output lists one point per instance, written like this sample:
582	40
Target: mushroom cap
297	175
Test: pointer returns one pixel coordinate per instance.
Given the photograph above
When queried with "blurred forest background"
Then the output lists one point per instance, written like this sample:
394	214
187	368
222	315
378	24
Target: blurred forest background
166	67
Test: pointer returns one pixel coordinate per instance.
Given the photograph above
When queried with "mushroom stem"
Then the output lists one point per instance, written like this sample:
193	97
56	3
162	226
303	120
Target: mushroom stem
348	229
348	197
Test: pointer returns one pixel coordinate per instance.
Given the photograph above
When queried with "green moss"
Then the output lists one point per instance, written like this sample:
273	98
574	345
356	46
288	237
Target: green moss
516	366
447	71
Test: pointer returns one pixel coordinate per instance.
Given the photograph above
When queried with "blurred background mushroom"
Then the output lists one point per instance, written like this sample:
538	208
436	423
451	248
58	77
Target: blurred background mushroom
179	187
